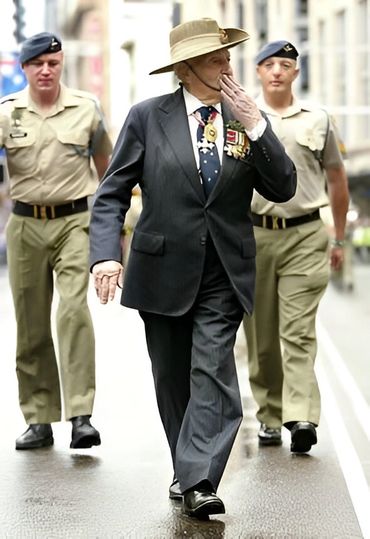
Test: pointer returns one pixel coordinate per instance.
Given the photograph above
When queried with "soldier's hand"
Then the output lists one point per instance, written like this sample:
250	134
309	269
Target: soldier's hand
336	258
241	105
107	276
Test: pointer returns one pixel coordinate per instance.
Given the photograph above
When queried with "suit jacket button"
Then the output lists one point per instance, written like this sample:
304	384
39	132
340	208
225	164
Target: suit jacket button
203	240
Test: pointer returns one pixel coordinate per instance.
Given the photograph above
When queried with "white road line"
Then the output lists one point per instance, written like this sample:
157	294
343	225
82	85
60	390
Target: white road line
358	402
348	459
350	463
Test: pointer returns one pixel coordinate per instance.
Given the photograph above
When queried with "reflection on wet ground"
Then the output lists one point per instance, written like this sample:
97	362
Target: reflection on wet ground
120	489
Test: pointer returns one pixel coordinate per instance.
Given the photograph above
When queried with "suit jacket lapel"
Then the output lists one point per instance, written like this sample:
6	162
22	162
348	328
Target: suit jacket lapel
173	120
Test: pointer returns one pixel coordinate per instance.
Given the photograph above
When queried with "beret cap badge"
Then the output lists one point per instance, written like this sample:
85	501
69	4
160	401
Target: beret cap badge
54	45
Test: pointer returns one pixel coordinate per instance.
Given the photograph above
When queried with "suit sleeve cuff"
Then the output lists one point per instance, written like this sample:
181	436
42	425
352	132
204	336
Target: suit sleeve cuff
258	130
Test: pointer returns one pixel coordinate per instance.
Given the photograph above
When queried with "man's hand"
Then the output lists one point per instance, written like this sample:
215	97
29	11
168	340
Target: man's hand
336	258
107	275
241	105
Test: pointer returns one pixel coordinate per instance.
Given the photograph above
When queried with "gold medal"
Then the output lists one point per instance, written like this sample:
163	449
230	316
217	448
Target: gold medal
210	132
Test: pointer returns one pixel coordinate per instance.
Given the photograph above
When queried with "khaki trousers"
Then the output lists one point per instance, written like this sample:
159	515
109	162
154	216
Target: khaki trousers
38	250
292	272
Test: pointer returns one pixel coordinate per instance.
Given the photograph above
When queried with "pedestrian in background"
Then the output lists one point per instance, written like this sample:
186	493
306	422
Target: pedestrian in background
190	271
50	136
292	266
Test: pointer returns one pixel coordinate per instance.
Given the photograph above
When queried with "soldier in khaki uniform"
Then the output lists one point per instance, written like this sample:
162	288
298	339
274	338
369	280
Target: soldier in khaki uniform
292	268
50	134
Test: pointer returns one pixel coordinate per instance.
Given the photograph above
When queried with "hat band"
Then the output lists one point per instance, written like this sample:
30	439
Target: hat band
189	47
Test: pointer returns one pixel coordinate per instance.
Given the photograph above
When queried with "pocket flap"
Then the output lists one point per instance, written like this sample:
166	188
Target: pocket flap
152	244
20	138
77	138
311	138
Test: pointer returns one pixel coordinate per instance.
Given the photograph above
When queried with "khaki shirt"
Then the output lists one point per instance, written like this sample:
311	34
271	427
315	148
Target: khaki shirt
49	158
307	133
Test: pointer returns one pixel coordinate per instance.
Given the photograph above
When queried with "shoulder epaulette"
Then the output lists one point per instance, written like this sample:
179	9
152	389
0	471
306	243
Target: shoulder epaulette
15	96
7	98
311	106
83	93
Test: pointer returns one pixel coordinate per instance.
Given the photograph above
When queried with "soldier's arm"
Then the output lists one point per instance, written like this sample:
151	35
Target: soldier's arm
101	163
339	200
100	145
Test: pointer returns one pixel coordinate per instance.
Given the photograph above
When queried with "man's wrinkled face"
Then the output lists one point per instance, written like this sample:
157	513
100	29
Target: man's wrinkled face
208	69
43	72
277	74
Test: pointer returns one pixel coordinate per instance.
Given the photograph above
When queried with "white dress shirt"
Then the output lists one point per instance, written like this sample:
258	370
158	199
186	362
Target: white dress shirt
192	103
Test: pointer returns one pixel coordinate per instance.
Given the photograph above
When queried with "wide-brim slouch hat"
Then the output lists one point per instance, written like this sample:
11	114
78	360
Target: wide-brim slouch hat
195	38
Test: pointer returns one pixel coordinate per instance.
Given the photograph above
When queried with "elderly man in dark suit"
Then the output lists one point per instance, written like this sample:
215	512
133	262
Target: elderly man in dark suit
197	155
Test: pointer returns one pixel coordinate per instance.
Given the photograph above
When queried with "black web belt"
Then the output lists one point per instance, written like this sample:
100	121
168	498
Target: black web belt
50	212
278	223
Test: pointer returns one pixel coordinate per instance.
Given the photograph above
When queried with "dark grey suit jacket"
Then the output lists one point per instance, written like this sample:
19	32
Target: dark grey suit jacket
154	150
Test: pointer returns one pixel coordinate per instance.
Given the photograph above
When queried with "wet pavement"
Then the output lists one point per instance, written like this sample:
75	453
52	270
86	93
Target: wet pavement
120	489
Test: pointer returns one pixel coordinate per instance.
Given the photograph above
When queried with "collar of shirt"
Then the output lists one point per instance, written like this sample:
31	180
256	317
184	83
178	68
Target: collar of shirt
66	98
24	101
293	109
192	103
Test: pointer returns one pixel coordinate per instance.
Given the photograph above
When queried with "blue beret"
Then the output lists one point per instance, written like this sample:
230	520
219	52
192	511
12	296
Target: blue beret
42	43
280	48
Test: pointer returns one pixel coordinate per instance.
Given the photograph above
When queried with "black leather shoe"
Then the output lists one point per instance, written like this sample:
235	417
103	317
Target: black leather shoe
269	436
200	503
174	490
303	435
36	436
84	435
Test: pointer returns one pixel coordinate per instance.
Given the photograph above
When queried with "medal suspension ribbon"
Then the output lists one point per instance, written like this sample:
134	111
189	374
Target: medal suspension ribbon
210	132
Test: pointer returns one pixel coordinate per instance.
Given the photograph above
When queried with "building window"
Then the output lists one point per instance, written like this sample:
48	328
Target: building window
261	21
340	58
363	48
301	8
304	72
240	14
176	13
321	62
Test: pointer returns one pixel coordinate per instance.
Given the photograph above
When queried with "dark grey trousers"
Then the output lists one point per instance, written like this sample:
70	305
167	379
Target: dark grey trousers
195	377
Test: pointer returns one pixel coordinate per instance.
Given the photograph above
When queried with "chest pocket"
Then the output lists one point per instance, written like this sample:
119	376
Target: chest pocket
313	136
19	138
21	151
78	141
312	133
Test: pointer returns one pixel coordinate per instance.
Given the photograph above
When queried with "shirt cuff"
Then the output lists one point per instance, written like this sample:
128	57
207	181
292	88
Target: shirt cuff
258	130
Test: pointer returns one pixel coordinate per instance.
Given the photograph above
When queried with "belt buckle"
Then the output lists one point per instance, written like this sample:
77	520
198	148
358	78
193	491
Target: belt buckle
43	212
276	223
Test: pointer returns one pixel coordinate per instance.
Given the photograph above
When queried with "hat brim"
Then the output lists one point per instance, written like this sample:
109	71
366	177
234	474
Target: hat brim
235	35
